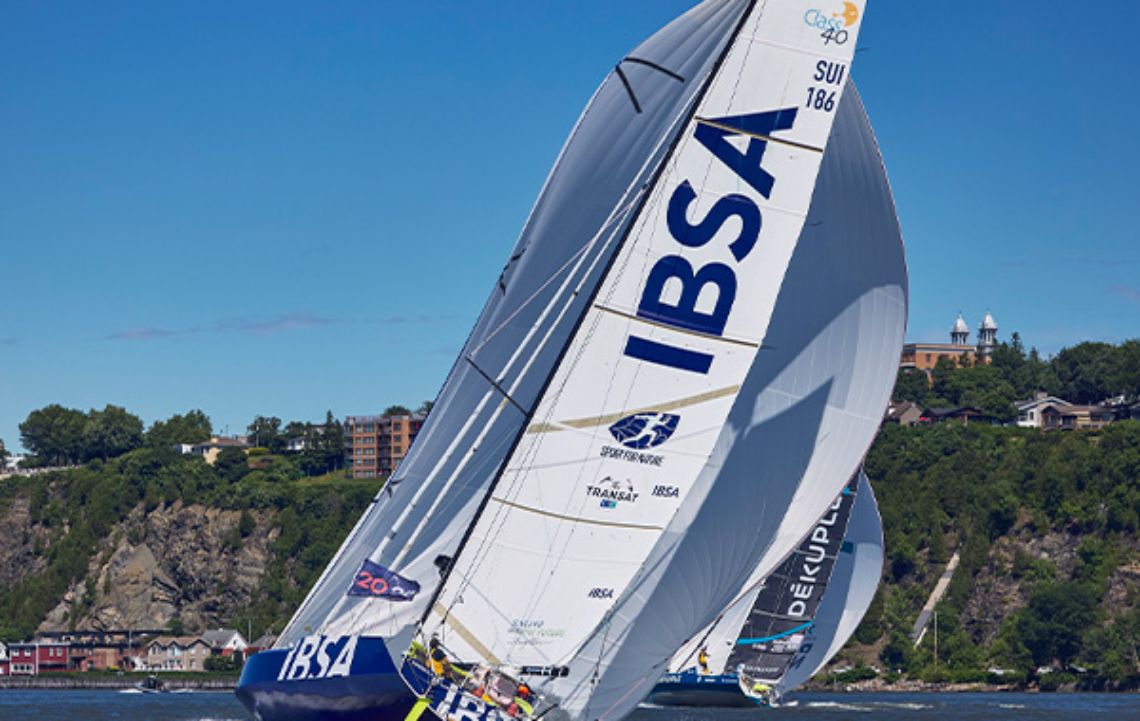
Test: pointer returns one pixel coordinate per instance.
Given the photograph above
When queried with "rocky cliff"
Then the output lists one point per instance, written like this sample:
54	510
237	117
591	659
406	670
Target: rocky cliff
187	562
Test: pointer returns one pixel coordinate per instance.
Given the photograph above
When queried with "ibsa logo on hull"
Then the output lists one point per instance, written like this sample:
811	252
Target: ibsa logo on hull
645	430
319	657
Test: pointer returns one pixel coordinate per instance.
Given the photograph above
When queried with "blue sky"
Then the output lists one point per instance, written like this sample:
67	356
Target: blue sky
282	208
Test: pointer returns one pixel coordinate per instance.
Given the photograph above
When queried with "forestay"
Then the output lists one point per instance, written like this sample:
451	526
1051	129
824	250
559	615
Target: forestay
629	441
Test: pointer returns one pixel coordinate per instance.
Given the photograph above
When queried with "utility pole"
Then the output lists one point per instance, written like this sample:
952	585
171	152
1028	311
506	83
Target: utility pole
936	643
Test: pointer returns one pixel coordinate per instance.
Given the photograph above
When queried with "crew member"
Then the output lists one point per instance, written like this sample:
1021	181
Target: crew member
703	659
437	658
523	700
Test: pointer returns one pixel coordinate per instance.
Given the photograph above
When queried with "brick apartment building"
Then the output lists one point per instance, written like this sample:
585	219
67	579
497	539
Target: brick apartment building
375	445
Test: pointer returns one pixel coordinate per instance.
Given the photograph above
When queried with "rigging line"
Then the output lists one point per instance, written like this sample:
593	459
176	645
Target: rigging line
759	136
465	633
566	283
655	66
637	199
618	214
628	88
496	386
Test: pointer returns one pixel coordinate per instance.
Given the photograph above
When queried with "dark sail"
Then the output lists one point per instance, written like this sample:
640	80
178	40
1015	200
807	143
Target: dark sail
785	608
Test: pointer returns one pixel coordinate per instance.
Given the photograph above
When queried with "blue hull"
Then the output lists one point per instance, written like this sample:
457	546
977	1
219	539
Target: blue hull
691	689
290	685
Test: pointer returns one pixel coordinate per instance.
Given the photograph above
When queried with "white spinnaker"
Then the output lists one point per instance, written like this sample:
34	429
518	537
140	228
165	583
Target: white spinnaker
545	560
849	595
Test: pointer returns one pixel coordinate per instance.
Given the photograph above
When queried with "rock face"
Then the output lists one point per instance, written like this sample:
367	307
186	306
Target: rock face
20	552
999	589
185	562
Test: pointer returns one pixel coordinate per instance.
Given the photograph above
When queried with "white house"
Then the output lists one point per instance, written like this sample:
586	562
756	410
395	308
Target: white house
225	641
1029	412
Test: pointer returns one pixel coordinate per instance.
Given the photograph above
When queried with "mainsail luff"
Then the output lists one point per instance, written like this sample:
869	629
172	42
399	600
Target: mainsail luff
658	170
551	505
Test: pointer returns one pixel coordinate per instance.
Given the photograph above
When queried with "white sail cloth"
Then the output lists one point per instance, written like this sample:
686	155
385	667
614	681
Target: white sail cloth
804	417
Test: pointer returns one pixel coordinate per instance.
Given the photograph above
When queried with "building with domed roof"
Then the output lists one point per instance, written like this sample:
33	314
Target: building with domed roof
987	336
924	356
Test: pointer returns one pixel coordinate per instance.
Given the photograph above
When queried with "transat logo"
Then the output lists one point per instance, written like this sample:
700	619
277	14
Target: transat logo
645	430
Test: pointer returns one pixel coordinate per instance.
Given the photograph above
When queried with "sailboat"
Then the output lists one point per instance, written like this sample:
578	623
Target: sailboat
778	634
686	323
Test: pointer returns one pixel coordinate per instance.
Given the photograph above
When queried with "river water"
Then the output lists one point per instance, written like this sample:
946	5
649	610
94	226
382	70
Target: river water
209	706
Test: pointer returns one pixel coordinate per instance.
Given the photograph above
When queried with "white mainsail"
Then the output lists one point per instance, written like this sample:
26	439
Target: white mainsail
571	235
640	425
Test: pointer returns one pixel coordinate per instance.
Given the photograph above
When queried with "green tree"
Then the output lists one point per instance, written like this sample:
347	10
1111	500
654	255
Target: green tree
425	408
397	410
111	432
912	385
4	455
191	427
1052	624
266	433
54	434
1086	372
231	464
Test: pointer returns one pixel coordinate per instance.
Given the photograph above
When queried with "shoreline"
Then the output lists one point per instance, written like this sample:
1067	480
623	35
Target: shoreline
173	682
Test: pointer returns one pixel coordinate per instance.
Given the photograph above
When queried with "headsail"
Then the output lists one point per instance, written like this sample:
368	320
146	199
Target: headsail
628	439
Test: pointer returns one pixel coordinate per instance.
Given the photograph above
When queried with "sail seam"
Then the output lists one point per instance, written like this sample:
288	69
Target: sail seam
686	331
759	136
655	66
591	421
628	88
577	519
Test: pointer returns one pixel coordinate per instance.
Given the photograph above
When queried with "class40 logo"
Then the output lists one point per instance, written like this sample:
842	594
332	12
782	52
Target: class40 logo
645	430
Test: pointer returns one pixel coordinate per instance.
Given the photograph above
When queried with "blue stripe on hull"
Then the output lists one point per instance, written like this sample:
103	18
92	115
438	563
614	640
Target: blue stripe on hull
372	690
